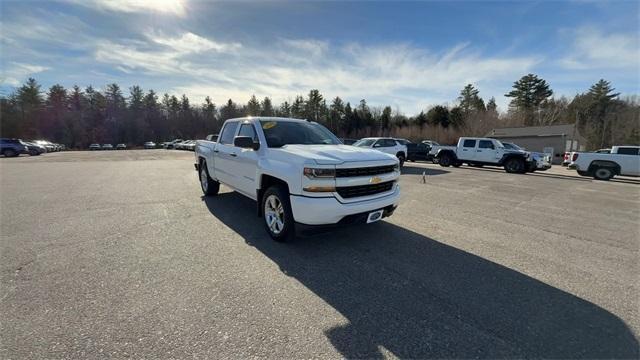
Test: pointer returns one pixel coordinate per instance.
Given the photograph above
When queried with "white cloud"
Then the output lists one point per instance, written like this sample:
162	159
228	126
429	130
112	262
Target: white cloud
161	54
592	49
16	73
191	43
399	75
172	7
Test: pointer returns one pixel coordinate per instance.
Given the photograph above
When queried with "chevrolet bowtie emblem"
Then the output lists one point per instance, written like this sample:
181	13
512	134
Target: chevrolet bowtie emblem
374	180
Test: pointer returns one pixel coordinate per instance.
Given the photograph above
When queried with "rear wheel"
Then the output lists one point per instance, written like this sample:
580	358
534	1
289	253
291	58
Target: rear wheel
209	186
514	166
603	173
34	152
278	217
9	153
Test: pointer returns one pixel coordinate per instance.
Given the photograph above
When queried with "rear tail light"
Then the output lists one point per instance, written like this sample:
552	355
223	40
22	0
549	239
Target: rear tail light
566	156
575	157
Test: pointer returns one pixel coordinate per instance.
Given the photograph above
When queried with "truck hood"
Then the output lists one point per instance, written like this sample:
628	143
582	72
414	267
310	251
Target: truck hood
334	154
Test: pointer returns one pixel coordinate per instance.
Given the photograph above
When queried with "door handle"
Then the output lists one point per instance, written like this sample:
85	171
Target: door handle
233	154
215	151
478	150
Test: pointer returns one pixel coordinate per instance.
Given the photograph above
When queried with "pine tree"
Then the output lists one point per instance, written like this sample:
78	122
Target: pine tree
336	114
267	107
313	106
284	110
253	107
30	102
438	116
297	108
528	93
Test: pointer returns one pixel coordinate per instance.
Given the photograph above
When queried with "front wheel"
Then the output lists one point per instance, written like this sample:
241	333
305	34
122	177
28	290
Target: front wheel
278	217
401	159
514	166
209	186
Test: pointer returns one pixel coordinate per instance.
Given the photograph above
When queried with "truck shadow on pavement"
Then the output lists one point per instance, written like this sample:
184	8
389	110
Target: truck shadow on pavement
415	297
416	170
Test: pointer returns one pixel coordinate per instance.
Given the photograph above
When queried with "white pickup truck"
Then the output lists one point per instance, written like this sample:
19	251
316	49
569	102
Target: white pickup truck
299	173
484	151
622	160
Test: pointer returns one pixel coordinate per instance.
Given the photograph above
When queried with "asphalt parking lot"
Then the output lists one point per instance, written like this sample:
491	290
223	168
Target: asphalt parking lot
117	254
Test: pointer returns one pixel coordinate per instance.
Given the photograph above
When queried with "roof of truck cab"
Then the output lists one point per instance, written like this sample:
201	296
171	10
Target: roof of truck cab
269	118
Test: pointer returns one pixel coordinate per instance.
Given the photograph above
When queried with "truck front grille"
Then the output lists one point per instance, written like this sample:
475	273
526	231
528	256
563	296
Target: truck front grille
364	171
364	190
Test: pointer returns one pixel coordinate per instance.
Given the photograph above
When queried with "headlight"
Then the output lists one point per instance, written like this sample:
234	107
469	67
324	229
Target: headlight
313	173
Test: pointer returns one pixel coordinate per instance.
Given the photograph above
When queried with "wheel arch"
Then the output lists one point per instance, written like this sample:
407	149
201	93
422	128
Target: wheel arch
604	163
267	181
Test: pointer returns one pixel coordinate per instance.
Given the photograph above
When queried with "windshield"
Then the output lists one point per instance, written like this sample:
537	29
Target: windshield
364	142
510	146
280	133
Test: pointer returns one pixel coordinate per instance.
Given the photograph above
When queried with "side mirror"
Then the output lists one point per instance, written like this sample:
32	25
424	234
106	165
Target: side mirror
245	142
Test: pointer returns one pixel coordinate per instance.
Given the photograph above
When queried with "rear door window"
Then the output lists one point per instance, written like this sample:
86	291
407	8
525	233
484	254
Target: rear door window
229	131
469	143
628	151
485	144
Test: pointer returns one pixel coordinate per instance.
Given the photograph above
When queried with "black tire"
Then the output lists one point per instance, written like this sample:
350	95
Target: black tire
277	214
34	153
456	164
9	153
209	186
445	160
401	159
514	166
603	173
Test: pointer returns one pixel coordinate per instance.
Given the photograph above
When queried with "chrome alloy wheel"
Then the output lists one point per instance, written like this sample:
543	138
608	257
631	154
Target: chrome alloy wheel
274	214
204	182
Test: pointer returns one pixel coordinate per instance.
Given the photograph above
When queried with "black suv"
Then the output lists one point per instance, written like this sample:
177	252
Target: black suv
12	147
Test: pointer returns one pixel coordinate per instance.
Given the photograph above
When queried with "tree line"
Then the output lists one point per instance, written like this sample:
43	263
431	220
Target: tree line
77	117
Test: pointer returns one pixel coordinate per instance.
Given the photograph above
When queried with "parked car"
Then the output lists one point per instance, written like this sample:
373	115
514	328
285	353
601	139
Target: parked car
94	147
189	145
419	151
541	161
107	147
429	142
484	151
182	145
299	173
386	145
149	145
12	147
622	160
34	149
403	141
121	147
47	145
171	144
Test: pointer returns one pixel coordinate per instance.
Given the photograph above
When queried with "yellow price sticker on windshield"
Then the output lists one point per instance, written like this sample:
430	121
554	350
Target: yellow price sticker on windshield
268	125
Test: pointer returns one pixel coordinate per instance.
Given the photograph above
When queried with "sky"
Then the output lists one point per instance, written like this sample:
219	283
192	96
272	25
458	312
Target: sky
410	55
